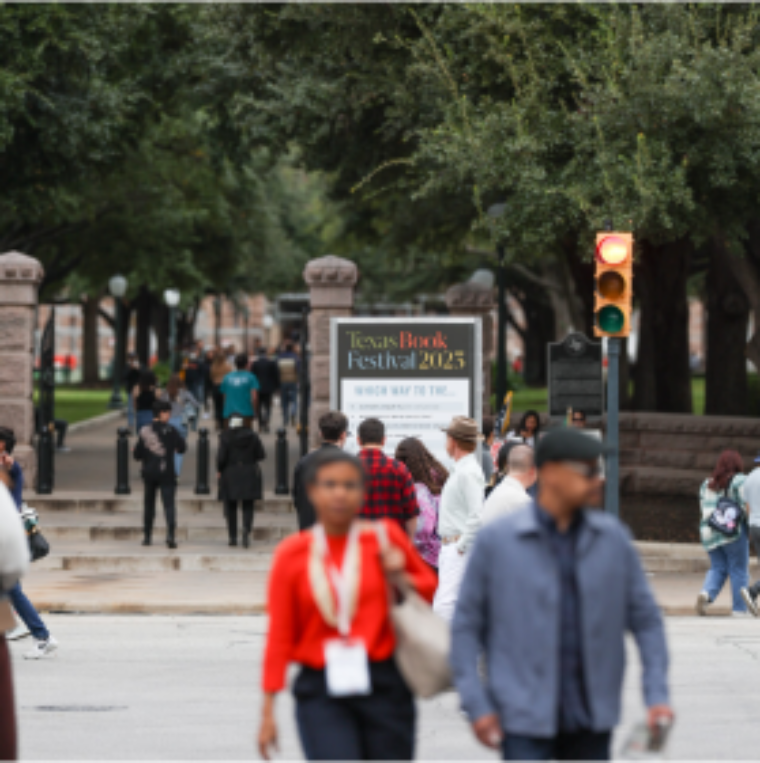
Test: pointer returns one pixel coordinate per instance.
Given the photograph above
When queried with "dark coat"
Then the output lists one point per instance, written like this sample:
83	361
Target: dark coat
156	445
240	450
267	372
306	515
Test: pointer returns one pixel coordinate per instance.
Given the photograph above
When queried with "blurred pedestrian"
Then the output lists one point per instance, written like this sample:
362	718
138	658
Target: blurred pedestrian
195	374
488	438
157	444
289	367
217	372
502	466
751	490
459	512
528	430
328	610
240	389
183	406
240	481
578	419
267	372
548	596
389	486
729	553
144	395
131	380
429	478
333	429
512	492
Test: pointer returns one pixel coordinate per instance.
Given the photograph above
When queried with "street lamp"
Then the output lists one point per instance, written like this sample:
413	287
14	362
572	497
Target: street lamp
171	298
494	212
117	285
268	325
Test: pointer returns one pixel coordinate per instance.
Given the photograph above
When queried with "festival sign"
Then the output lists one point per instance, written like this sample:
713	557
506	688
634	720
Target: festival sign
414	374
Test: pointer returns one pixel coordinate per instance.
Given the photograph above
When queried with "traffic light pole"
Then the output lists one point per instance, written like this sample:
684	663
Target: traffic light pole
612	473
501	362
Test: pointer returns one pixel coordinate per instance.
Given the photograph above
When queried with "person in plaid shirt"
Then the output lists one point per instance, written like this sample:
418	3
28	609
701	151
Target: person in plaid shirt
389	488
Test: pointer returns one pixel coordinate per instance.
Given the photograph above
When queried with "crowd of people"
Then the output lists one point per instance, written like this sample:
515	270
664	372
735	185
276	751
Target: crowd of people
538	603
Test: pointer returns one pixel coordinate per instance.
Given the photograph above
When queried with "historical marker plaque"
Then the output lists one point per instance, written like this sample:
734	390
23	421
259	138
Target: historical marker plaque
575	376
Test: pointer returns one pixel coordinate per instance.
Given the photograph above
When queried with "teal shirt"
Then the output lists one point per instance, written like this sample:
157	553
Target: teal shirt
237	388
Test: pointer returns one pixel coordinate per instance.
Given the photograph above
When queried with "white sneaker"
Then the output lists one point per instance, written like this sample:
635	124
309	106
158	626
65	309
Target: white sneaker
19	632
702	601
740	614
42	649
750	602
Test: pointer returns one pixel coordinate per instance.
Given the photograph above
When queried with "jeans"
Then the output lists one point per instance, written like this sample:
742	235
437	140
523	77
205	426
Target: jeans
379	726
28	614
729	560
168	492
754	537
578	745
289	400
265	410
144	418
130	411
179	425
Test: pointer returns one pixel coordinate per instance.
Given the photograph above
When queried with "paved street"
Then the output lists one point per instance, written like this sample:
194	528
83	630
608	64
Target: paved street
187	687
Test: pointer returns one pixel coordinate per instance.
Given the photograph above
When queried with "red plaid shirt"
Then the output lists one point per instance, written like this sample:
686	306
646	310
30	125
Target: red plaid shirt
390	489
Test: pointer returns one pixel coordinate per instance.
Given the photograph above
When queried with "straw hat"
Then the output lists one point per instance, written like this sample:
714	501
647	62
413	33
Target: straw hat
463	428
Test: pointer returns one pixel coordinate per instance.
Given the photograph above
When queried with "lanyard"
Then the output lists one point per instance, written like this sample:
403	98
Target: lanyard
345	580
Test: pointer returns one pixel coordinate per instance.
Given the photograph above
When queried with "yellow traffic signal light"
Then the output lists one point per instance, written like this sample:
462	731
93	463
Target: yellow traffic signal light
614	284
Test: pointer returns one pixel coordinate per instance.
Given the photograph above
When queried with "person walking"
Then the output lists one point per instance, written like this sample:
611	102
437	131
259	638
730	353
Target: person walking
751	489
512	492
195	374
181	401
131	380
489	436
328	605
729	554
218	370
502	466
390	489
289	366
333	429
429	478
241	391
157	443
237	460
266	370
548	596
14	561
145	395
12	476
459	512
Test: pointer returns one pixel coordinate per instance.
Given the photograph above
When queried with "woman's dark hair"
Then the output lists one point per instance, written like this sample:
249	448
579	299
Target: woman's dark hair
524	421
147	380
503	457
422	464
728	466
328	457
173	386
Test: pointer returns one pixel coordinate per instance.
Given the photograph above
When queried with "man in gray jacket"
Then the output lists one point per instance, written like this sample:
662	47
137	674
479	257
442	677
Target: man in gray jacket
549	593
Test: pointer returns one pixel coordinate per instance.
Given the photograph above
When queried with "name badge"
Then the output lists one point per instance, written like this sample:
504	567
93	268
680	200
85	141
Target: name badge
347	668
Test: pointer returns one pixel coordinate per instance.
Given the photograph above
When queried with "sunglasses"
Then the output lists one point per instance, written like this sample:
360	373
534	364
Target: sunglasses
335	485
588	471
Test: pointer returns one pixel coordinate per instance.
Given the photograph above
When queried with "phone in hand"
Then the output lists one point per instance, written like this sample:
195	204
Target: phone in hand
646	742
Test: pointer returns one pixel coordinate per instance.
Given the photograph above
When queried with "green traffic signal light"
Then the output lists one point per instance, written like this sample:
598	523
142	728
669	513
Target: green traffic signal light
610	319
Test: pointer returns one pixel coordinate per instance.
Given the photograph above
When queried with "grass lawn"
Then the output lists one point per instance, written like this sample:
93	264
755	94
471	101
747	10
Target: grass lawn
74	404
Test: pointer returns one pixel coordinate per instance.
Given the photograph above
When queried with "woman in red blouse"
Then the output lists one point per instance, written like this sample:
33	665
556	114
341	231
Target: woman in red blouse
329	611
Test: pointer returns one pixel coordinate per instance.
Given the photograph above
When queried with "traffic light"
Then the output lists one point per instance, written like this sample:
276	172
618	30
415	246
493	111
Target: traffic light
614	284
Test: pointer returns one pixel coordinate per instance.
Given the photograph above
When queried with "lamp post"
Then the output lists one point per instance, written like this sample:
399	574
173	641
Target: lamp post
171	298
117	285
268	325
494	212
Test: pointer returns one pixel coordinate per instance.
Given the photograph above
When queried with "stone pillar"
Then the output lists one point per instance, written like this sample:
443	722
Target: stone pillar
331	281
475	300
20	278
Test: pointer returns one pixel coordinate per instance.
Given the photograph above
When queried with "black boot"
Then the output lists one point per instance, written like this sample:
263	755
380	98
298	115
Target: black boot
233	542
146	540
246	540
170	541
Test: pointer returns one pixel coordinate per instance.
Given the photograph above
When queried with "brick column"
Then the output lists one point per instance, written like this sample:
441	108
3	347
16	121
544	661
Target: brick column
474	300
331	281
20	278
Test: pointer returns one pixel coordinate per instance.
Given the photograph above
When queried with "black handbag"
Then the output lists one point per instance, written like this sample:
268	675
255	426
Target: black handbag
39	548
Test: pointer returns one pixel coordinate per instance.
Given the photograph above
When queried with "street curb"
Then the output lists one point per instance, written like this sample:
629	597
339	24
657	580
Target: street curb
230	610
94	421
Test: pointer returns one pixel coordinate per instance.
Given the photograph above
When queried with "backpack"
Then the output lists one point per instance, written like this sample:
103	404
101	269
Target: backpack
727	516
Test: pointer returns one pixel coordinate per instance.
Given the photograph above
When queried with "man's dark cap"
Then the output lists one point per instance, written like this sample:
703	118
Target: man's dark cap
568	445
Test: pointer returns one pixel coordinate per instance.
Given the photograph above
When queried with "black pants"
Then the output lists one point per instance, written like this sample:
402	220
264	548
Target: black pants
754	539
218	398
168	493
61	427
265	410
579	745
230	511
379	726
8	749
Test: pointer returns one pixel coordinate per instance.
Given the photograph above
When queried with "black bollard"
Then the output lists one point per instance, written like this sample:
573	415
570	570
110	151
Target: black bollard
281	463
122	462
201	479
45	462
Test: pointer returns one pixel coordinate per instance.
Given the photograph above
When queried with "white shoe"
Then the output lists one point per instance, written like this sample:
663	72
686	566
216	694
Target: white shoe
740	614
702	601
42	649
750	602
19	632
